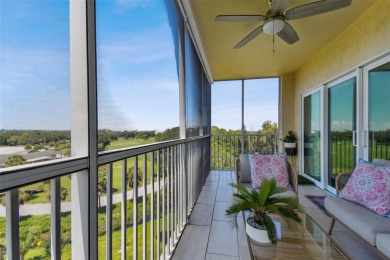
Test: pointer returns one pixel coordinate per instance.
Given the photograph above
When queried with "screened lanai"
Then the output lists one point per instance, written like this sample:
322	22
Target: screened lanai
84	70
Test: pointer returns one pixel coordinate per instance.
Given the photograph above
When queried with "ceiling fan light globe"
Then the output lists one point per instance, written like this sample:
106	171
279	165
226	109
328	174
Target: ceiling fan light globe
273	25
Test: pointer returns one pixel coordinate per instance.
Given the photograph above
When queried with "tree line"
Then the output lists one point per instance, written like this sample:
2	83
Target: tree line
226	145
22	137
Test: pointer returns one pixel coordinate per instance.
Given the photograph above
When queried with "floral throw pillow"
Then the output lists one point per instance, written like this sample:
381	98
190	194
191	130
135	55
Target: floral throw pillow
268	167
369	185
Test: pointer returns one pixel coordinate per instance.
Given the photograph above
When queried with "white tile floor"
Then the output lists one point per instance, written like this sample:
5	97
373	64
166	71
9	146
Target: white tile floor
208	220
209	236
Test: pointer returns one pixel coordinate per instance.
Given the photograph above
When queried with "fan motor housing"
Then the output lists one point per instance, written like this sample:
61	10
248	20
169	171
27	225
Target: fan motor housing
273	24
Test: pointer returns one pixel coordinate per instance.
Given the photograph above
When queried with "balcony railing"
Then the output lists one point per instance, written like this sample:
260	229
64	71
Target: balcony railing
166	179
225	148
342	153
379	143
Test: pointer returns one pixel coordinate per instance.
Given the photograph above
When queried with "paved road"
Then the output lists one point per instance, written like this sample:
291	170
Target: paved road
44	208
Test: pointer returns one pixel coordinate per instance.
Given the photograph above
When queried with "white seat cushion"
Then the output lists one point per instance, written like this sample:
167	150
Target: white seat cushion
383	244
363	221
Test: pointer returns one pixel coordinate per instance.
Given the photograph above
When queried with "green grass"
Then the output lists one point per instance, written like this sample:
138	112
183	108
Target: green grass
42	197
39	252
34	232
343	157
116	243
124	143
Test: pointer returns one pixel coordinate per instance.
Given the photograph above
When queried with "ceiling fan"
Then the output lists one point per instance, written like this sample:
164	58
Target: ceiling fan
275	20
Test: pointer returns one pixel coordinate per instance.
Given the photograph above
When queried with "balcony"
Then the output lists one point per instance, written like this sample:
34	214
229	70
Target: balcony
180	211
167	199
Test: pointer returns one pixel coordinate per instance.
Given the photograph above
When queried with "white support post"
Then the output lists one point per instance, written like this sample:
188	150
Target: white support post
84	127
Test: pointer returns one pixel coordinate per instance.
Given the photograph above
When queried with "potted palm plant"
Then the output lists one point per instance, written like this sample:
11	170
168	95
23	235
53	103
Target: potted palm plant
261	203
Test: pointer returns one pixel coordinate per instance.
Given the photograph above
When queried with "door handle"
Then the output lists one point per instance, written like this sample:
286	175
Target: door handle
365	138
354	138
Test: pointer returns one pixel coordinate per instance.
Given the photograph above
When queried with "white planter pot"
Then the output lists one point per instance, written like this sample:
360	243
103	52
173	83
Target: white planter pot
258	235
290	145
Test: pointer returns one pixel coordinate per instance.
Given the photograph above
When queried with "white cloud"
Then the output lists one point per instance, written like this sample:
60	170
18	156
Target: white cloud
148	46
123	5
341	125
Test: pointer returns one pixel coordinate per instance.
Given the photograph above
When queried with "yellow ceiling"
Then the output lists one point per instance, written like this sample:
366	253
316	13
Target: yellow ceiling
256	59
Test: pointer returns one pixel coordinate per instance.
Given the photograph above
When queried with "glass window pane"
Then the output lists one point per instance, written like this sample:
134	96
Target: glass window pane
138	90
312	135
342	123
34	80
206	105
193	88
379	117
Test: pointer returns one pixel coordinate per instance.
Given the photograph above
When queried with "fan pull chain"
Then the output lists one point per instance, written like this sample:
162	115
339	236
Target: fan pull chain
273	37
273	43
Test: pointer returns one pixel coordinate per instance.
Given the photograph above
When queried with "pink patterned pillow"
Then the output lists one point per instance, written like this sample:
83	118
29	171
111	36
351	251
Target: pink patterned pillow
268	167
369	185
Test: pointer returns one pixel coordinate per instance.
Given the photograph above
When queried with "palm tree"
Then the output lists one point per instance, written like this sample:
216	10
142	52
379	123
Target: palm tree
262	202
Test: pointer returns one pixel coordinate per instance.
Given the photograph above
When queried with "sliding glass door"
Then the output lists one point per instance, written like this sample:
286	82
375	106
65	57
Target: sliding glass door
341	128
312	135
346	119
377	109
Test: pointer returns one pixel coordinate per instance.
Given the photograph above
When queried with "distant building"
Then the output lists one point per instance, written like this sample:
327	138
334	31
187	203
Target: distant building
33	157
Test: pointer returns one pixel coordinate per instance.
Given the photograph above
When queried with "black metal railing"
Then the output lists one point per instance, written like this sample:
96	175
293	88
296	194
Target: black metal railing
342	152
225	148
146	194
379	143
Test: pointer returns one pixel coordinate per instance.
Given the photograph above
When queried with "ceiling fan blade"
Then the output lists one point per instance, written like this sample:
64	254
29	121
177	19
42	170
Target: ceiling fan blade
279	6
250	37
288	34
316	8
240	18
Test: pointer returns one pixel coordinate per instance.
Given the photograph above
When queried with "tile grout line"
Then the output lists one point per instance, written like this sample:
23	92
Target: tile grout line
212	216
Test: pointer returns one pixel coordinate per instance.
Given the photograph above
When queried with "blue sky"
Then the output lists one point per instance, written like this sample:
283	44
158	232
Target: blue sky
137	77
34	65
260	99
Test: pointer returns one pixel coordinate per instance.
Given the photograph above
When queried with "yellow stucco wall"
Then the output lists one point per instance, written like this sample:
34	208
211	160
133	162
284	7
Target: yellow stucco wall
287	105
367	37
363	40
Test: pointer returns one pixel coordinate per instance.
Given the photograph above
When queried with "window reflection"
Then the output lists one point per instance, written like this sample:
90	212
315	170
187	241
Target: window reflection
312	136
